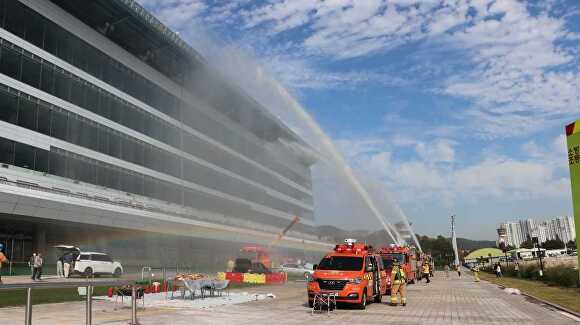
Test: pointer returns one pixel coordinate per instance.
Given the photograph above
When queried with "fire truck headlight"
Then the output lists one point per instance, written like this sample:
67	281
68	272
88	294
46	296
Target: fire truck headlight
355	280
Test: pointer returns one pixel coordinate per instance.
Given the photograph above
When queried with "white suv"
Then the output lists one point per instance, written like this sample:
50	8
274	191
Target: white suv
91	263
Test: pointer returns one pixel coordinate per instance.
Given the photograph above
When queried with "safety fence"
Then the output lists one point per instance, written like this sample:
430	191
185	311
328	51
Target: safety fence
88	287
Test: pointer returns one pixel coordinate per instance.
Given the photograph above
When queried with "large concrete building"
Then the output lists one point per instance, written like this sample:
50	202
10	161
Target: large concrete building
112	128
561	228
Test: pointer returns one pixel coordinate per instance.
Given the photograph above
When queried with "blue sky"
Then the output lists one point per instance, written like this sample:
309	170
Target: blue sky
458	107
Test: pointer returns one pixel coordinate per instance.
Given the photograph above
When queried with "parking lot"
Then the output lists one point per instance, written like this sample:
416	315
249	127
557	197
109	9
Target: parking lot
443	301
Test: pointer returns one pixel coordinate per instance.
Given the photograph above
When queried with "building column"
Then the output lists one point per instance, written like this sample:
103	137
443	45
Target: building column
39	240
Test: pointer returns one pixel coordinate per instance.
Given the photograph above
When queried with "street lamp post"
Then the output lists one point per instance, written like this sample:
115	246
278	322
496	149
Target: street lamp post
537	243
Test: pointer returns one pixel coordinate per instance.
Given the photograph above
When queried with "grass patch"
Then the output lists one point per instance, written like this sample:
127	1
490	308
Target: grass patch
567	297
17	297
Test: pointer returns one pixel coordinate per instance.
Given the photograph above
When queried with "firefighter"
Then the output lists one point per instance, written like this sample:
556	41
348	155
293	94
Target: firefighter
399	284
476	273
425	270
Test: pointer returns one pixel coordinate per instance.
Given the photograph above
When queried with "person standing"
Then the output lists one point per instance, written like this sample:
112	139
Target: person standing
230	265
458	268
31	265
399	281
38	262
59	267
498	270
67	263
3	260
476	273
425	271
517	269
446	271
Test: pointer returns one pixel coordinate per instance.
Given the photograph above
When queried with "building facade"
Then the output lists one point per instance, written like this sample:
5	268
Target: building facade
562	228
108	119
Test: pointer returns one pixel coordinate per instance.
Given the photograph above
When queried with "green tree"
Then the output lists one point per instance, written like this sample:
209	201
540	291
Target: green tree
527	244
553	244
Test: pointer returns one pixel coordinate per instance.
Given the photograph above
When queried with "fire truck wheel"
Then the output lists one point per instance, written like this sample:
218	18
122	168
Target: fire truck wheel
363	302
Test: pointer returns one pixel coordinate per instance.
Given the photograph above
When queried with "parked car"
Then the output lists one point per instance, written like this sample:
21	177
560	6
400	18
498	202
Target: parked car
90	263
297	269
93	263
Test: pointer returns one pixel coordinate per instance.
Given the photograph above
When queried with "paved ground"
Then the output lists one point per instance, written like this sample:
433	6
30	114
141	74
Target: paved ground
444	301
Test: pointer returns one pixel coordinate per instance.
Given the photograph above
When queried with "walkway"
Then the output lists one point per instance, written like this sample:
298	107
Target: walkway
443	301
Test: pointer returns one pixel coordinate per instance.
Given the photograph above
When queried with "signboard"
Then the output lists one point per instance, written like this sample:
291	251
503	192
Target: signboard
573	139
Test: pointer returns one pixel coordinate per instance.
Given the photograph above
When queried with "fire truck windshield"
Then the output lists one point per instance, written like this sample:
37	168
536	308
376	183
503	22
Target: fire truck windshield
389	258
341	263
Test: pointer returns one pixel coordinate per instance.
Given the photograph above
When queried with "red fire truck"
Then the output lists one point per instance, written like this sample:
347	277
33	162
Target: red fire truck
405	255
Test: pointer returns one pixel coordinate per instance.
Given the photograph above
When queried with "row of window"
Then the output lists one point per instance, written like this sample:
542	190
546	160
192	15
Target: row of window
29	113
65	164
41	74
27	24
17	65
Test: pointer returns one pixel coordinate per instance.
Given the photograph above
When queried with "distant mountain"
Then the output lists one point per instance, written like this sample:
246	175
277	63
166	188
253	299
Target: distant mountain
471	245
381	238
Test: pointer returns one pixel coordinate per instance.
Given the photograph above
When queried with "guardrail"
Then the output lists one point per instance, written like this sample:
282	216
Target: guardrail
89	285
146	204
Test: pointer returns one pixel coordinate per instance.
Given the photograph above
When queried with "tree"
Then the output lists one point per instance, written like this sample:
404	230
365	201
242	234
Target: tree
553	244
527	244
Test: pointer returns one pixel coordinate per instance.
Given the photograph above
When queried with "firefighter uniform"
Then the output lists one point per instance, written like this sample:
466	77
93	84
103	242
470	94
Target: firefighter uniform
425	271
476	273
399	284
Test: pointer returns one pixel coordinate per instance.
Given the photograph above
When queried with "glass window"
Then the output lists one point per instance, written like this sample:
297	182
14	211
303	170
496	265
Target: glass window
87	172
63	45
61	85
103	140
58	126
105	105
15	21
43	121
10	62
116	110
56	164
77	95
6	151
91	99
41	160
30	72
24	156
27	114
90	136
341	263
75	127
34	28
8	107
50	37
74	168
47	79
114	145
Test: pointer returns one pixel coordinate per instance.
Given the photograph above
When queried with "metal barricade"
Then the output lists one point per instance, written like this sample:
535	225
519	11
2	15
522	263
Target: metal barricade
89	285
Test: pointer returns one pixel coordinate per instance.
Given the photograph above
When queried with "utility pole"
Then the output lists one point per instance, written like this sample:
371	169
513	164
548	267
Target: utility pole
454	241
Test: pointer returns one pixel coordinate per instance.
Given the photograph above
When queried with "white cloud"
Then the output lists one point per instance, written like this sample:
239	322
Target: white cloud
494	177
437	151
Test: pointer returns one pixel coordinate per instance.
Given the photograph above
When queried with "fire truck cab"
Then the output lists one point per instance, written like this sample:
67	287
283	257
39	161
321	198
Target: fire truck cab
405	255
352	271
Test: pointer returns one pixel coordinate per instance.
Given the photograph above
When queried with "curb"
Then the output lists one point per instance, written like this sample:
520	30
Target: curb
551	304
